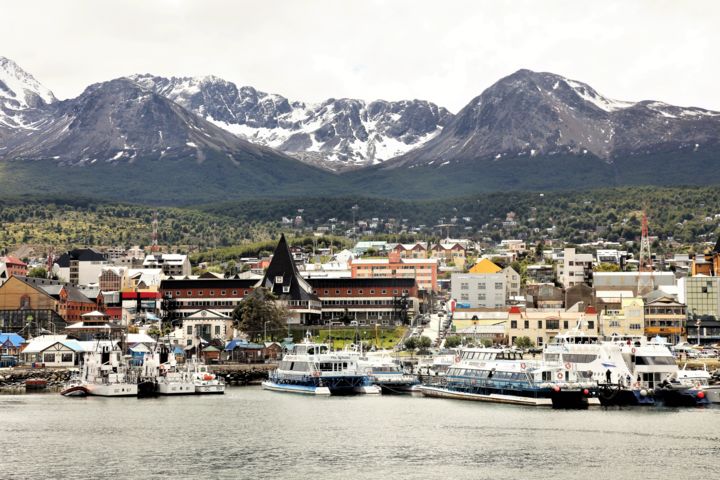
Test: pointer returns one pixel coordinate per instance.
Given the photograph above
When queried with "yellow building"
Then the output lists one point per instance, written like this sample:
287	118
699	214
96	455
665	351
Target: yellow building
629	320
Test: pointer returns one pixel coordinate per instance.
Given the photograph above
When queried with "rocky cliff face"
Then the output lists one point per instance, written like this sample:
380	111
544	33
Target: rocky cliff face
337	134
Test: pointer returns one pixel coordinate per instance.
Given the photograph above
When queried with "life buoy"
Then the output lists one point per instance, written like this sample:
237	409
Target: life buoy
567	365
522	365
633	350
560	376
316	374
457	358
637	385
208	376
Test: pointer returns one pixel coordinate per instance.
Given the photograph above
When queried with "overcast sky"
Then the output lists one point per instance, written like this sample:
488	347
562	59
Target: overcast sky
444	51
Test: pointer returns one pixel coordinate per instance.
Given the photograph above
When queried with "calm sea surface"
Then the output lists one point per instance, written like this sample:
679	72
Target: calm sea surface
251	433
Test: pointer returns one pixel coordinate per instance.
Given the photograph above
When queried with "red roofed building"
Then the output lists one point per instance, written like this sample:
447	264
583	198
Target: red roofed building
14	266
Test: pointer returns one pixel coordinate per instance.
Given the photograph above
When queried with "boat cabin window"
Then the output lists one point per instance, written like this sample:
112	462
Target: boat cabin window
644	360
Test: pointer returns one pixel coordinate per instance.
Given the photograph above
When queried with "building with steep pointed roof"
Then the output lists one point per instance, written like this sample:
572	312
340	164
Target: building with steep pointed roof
292	290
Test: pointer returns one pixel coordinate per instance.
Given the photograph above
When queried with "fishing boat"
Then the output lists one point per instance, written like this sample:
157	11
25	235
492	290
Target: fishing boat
311	368
202	378
171	379
105	374
504	376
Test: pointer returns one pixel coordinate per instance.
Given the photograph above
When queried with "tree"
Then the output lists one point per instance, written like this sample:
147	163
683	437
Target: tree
424	343
523	342
486	342
259	312
37	272
607	267
411	343
453	342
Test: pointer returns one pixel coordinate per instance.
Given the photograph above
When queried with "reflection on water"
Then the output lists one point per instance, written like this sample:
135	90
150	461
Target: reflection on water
251	433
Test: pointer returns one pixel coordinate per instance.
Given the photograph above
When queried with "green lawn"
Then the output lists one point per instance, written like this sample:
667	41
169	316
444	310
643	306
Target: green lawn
386	337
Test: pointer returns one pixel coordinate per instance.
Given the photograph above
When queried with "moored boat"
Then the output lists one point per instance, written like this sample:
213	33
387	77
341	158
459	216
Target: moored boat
503	376
313	369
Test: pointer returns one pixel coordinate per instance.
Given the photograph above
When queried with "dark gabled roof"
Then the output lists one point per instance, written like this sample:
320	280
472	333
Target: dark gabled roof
52	288
283	266
318	283
80	254
228	283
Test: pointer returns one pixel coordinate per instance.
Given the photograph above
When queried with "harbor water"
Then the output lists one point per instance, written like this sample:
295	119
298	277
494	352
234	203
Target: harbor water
252	433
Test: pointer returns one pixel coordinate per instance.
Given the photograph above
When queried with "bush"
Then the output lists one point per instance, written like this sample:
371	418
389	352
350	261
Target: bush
453	342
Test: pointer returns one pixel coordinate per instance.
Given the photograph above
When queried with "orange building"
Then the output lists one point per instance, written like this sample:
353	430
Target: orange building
423	270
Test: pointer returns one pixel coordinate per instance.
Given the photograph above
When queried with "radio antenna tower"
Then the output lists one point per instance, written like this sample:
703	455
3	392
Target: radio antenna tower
154	247
645	267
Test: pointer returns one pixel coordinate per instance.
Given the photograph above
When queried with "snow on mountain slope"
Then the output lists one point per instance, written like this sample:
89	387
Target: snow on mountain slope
20	97
337	134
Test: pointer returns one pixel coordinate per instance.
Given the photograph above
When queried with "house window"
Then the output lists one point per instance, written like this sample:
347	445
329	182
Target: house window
539	323
464	296
372	292
591	325
189	293
189	342
327	291
217	329
223	292
395	292
384	292
49	358
464	286
405	291
234	292
189	329
337	292
513	323
553	324
279	279
177	293
527	323
360	292
481	286
67	357
349	292
539	341
200	293
286	288
565	324
498	286
212	293
481	296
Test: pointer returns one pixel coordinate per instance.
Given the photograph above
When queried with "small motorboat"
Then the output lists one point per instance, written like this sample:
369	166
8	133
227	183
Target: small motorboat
74	389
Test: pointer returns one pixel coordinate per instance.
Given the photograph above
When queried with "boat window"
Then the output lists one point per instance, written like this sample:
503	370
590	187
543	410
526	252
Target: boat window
654	360
552	357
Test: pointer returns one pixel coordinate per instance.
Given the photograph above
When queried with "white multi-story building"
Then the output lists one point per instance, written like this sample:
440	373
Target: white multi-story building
172	264
479	290
574	268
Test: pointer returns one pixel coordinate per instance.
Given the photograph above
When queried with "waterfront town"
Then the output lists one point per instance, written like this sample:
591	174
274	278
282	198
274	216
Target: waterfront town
453	291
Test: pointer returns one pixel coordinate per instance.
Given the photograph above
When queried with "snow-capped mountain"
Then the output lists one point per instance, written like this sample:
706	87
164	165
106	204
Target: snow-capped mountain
543	114
121	122
337	134
21	95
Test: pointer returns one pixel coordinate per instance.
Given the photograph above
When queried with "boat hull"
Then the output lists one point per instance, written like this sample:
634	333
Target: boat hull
146	389
682	397
439	392
176	388
610	396
75	391
112	390
211	388
301	389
